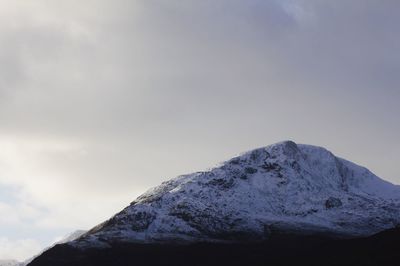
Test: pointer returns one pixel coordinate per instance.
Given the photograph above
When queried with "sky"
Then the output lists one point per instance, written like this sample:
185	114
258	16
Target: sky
101	100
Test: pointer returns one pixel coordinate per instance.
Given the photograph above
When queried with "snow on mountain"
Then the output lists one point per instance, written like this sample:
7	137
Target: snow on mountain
283	187
68	238
71	237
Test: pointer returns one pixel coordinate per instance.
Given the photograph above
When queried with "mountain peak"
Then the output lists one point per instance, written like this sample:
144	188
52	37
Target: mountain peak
288	147
284	187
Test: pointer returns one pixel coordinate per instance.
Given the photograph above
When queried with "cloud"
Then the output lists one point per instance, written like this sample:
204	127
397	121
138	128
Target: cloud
16	214
18	249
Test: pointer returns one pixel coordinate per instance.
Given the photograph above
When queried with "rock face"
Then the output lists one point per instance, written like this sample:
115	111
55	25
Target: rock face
333	203
284	187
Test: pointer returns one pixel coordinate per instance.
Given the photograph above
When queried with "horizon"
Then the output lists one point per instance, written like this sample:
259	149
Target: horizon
101	100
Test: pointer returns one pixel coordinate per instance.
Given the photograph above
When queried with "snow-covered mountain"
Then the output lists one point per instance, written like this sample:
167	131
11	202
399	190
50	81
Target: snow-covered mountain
285	187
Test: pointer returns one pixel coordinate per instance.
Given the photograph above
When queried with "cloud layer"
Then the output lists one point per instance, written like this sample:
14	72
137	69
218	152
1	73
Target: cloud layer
19	250
100	100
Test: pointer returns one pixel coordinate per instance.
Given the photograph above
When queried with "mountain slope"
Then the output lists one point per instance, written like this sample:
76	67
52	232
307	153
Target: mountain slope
70	237
282	187
379	250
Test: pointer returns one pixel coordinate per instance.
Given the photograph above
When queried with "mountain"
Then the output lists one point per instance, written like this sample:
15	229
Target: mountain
284	187
269	195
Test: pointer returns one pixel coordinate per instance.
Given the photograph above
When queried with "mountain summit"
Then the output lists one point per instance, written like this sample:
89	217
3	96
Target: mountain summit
282	188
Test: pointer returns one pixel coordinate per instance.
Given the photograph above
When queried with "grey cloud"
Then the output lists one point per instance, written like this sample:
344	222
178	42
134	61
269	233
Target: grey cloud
170	59
160	68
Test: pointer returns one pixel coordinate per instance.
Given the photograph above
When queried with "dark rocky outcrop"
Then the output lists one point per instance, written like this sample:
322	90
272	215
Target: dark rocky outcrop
333	203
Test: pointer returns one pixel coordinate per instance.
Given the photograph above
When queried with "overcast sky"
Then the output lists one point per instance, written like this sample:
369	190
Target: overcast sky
100	99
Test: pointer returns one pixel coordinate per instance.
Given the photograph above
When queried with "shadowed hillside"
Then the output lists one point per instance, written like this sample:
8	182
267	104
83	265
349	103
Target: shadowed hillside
380	249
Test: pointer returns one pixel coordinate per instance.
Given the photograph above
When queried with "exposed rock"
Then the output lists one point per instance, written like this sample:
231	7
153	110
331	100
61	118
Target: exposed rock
333	203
